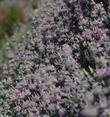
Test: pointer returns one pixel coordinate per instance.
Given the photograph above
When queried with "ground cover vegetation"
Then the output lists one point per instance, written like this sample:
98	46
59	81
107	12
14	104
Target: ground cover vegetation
62	67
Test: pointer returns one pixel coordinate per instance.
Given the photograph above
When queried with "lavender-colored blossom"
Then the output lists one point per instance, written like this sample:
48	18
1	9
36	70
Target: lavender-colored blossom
103	72
62	67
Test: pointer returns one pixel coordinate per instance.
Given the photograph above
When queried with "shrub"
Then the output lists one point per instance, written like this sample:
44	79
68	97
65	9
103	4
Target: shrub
63	69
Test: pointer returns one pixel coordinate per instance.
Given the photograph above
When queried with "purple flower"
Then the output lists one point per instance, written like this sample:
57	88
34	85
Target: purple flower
61	112
51	71
103	72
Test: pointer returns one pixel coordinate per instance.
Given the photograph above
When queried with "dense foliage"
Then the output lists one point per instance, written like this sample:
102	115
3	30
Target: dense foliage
62	67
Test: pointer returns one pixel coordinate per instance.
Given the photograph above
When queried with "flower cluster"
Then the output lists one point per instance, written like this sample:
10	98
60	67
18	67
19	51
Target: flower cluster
62	69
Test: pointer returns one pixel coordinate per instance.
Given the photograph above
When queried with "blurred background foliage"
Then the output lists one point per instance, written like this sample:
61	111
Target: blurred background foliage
14	14
9	19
